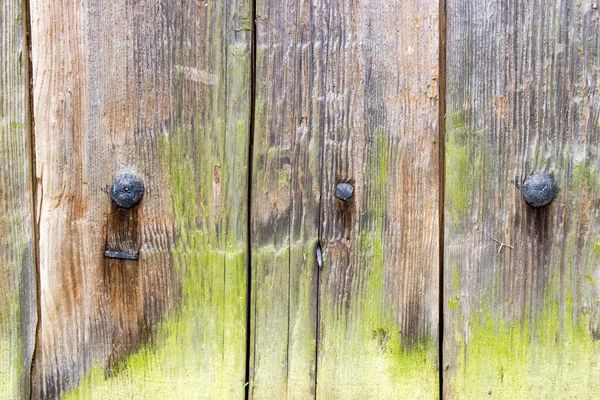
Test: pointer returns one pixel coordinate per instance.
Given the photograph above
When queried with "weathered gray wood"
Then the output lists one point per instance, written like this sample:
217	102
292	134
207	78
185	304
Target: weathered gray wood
18	316
159	89
522	94
285	199
346	92
378	325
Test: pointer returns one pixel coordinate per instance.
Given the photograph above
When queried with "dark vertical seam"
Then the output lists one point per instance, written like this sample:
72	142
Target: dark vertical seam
442	188
249	195
30	121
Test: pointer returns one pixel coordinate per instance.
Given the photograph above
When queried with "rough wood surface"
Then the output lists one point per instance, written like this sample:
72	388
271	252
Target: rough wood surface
522	95
378	315
285	200
346	93
160	90
17	265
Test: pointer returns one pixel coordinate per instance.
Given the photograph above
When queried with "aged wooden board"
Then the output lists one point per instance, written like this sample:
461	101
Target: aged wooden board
346	93
285	199
17	266
161	90
522	97
379	286
285	202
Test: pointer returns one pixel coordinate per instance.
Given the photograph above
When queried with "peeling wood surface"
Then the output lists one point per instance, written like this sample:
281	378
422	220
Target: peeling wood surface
18	316
162	91
522	97
345	94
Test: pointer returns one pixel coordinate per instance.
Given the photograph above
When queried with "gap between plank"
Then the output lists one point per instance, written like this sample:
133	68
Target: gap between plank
30	121
249	196
442	185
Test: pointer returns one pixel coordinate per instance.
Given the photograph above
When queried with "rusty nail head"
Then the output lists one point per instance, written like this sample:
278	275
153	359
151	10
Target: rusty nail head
540	189
344	191
127	190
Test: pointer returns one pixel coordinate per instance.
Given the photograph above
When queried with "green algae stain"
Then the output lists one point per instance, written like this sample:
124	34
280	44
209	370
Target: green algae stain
11	354
506	360
458	181
595	250
585	179
363	352
198	351
9	368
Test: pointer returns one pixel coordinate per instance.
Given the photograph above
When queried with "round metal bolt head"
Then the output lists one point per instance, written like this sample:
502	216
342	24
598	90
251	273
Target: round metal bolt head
127	190
540	189
344	191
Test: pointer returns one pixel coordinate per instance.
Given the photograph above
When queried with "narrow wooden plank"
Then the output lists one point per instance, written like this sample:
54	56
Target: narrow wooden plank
18	315
522	321
285	198
346	93
160	90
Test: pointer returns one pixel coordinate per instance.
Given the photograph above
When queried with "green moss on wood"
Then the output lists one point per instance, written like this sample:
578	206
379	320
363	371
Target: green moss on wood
16	238
363	351
199	350
458	179
501	359
585	179
196	352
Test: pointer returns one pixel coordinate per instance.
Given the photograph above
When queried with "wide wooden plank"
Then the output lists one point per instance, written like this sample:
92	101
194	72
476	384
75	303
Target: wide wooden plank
18	315
346	92
160	90
522	95
379	287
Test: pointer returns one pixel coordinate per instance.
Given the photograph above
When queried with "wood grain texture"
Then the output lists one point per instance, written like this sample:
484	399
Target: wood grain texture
285	198
378	316
522	97
346	93
18	316
160	90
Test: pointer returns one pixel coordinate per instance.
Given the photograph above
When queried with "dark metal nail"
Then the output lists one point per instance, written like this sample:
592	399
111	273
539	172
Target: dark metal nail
120	255
127	190
539	189
344	191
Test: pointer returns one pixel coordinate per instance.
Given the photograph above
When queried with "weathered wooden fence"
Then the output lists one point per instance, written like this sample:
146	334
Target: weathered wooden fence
240	273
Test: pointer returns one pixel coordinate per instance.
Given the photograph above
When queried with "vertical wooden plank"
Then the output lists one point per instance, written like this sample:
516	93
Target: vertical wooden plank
18	315
379	288
522	97
285	198
346	93
160	90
